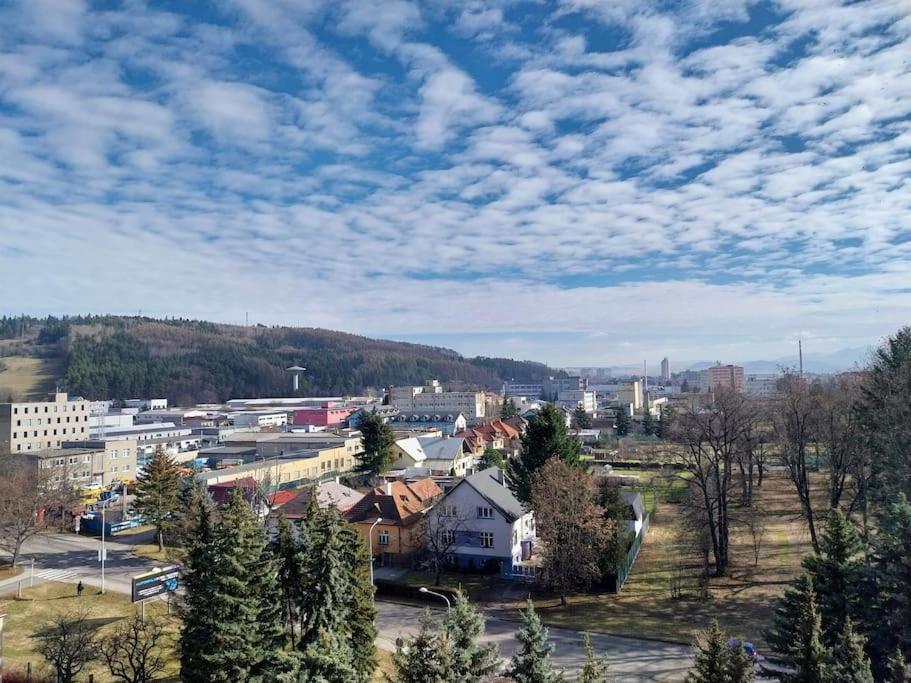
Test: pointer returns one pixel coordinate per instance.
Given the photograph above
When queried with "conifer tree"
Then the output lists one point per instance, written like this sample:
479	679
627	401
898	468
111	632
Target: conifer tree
360	608
784	631
492	458
835	573
197	607
595	669
324	593
377	440
271	638
622	423
546	437
809	657
508	409
327	660
851	664
289	560
157	493
581	420
710	664
897	668
531	662
424	658
740	668
463	625
648	423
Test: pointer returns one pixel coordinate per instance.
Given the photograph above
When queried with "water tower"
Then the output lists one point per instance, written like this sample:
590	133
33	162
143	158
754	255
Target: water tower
296	371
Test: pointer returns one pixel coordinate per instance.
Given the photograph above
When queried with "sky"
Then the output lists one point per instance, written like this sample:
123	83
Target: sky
582	182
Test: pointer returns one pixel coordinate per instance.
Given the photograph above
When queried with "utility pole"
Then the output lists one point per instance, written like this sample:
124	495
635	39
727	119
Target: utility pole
800	357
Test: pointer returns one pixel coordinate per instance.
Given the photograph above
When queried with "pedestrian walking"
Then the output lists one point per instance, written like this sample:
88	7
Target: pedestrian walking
79	589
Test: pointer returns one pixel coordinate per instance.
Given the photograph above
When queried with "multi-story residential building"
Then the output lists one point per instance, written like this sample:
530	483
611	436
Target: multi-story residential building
630	394
665	370
430	399
87	463
530	390
41	425
573	398
488	525
762	386
552	386
722	377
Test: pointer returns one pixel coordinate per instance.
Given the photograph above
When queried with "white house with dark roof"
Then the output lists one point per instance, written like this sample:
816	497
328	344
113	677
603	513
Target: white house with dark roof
446	455
490	526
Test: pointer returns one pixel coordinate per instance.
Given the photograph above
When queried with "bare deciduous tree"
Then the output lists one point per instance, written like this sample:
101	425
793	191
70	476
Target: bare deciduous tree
571	526
440	533
133	652
68	644
22	503
713	440
757	524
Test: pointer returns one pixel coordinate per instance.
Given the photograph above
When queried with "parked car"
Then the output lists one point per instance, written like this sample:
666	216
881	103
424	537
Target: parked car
735	643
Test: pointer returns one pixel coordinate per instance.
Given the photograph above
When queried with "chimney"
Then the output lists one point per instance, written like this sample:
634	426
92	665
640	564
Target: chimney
388	488
500	477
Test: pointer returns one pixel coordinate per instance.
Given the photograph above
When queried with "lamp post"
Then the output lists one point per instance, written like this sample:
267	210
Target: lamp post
424	589
370	545
104	552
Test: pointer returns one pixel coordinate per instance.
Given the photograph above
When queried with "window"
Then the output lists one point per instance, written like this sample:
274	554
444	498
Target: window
383	538
487	539
447	536
449	511
485	513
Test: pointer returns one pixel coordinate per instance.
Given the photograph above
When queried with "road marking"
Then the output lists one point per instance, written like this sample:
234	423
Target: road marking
54	574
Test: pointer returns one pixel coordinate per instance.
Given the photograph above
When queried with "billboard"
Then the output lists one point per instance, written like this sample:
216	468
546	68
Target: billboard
156	582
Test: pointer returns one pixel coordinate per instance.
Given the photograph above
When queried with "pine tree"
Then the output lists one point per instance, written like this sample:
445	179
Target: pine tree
360	608
463	625
327	660
851	664
808	655
324	593
157	493
198	581
740	668
271	637
835	573
785	627
648	424
424	658
595	669
288	558
508	409
531	662
622	423
377	440
581	420
711	662
244	604
546	437
897	668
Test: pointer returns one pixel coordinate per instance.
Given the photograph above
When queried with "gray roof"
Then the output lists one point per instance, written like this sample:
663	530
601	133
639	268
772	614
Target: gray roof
486	483
634	500
442	448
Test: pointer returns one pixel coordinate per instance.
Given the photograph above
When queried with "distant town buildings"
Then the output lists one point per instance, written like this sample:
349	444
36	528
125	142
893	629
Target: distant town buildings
665	370
722	377
762	386
430	399
630	394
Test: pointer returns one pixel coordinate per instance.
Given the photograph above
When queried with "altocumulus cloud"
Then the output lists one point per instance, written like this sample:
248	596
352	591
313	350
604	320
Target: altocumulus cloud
704	179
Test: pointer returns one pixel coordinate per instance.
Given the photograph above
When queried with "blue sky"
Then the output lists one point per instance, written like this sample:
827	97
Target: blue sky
579	181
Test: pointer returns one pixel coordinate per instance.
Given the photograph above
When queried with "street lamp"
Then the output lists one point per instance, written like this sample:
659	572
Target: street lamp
370	545
424	589
104	552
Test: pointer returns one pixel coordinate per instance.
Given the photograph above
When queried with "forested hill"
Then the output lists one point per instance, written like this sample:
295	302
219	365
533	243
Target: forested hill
191	361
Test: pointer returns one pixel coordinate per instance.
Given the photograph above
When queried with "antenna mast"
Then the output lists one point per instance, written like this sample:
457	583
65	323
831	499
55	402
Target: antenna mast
800	356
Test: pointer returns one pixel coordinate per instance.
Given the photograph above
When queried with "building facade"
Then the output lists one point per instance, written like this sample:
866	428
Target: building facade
431	400
722	377
42	425
87	463
665	370
630	394
574	398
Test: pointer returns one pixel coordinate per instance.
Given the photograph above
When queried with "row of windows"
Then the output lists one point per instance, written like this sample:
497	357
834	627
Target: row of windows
448	537
47	409
448	510
80	430
28	422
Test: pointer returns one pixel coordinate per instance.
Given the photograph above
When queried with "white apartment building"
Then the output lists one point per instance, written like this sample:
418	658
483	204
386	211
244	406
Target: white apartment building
259	419
762	386
630	394
430	399
574	398
40	425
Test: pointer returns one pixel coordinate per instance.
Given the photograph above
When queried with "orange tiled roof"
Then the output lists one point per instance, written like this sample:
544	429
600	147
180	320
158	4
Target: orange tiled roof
402	505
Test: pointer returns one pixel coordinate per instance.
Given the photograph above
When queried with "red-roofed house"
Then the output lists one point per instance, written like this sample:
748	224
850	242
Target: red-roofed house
401	507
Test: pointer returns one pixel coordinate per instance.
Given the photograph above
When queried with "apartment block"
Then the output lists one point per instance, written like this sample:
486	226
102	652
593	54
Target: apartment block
722	377
431	400
87	462
42	425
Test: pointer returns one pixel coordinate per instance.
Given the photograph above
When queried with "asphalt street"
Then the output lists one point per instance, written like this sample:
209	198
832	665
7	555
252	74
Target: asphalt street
65	557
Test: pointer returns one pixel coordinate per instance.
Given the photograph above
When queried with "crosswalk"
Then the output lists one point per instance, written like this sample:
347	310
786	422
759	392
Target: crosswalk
54	574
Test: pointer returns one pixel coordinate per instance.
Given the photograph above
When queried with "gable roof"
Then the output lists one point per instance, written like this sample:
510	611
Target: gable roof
488	485
328	494
442	448
412	448
634	500
402	505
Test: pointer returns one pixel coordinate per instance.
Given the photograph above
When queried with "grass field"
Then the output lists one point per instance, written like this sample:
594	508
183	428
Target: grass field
27	378
741	601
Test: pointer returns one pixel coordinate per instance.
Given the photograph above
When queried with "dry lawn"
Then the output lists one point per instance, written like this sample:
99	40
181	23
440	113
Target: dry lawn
27	378
742	602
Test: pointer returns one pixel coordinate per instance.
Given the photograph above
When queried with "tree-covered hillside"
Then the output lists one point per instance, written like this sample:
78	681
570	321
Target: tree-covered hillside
191	361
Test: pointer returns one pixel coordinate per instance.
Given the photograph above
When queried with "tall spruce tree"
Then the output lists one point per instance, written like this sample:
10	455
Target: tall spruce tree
198	623
289	560
377	440
897	668
595	669
242	600
360	607
718	662
327	659
850	664
648	424
424	658
157	493
508	409
324	593
808	655
531	661
622	422
581	419
471	662
835	573
545	437
784	631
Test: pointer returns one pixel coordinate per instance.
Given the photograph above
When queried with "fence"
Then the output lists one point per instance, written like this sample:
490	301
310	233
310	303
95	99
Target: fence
627	565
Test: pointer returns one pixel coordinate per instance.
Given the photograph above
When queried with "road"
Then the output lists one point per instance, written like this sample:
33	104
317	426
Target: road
65	557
